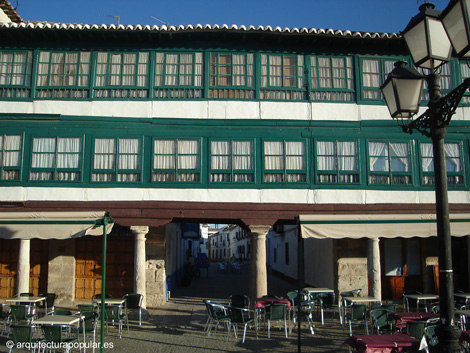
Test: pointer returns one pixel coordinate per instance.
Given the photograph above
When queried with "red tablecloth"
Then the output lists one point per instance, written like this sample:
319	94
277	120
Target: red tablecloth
402	318
400	342
263	302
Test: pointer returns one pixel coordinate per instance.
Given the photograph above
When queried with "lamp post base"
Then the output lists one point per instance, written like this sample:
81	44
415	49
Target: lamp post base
448	339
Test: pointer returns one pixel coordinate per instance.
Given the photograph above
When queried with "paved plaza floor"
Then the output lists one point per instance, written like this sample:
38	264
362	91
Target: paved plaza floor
178	326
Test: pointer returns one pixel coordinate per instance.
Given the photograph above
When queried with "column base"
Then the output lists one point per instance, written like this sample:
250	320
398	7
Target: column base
448	339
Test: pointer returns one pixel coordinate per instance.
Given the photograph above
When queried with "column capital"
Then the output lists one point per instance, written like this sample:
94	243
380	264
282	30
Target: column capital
259	229
137	230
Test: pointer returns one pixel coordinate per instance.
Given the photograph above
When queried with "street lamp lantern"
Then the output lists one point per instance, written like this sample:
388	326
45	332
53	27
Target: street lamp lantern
456	20
427	39
402	91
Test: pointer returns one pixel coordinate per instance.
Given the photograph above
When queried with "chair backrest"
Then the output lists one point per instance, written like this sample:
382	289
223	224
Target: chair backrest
19	311
379	317
239	300
133	300
293	297
85	307
98	296
327	300
215	309
358	311
52	333
416	329
50	299
431	337
112	312
22	333
276	311
389	307
62	312
26	295
90	320
237	315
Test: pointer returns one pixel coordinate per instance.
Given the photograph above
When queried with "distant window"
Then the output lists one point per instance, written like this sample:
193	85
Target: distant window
10	157
337	162
56	158
176	160
374	74
117	159
332	78
15	74
232	161
389	163
284	161
453	159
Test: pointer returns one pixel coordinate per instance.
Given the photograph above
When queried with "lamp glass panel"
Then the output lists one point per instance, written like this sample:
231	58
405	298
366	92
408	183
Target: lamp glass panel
416	40
440	46
455	26
389	95
409	93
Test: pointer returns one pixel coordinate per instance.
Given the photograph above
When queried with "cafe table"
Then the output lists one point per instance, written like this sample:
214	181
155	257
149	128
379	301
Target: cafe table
63	320
30	300
401	318
418	298
400	342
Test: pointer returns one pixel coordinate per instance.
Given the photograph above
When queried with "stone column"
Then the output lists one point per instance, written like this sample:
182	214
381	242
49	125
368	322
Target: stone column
140	266
23	266
373	269
258	273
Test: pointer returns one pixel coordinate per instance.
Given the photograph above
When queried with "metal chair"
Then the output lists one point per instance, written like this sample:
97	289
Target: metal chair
276	312
86	307
49	302
217	313
326	301
98	296
357	312
407	301
22	313
239	301
379	320
23	335
416	328
239	316
134	302
6	317
90	321
55	334
431	338
114	312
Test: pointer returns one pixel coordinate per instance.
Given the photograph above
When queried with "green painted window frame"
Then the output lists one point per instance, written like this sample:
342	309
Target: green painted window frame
283	174
390	158
60	75
337	175
114	173
176	172
454	179
332	78
15	74
446	73
464	72
178	77
8	146
283	77
231	79
113	69
57	168
230	158
371	79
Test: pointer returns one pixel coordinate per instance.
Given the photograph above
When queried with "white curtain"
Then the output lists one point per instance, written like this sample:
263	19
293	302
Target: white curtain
326	155
371	73
264	70
11	150
324	65
295	152
275	70
129	70
198	70
347	157
238	70
186	69
220	155
242	155
339	73
104	154
171	76
452	153
188	154
84	69
115	69
159	69
378	157
143	69
43	153
68	152
427	157
129	153
43	68
402	163
274	152
101	68
164	154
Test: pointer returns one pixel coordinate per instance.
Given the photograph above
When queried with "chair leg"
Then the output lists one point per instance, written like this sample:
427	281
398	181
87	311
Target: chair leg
140	316
350	328
244	334
228	333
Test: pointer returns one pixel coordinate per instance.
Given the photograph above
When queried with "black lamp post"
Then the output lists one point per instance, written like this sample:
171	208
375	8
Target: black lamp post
429	36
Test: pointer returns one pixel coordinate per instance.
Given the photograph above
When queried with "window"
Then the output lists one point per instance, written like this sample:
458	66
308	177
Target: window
465	73
63	74
231	76
374	74
232	161
178	75
117	160
332	79
15	74
446	82
176	160
453	158
337	162
389	163
122	75
282	77
284	161
56	158
10	157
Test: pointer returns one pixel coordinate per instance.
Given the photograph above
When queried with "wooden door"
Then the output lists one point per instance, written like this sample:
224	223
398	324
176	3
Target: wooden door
119	269
8	267
39	266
